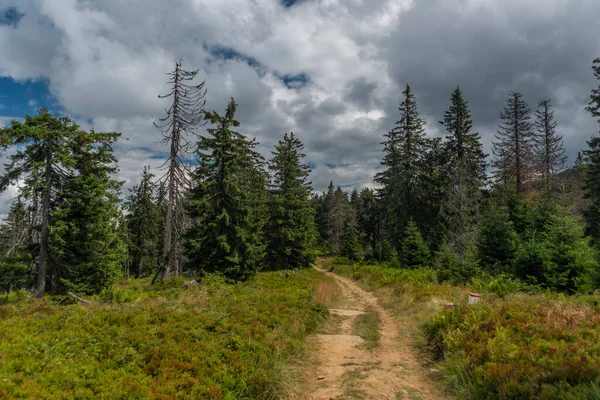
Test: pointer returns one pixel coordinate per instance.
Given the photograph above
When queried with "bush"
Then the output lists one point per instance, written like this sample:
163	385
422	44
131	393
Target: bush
117	295
500	285
526	347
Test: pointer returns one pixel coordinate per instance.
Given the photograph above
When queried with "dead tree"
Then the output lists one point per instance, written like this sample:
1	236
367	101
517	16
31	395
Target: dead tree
182	119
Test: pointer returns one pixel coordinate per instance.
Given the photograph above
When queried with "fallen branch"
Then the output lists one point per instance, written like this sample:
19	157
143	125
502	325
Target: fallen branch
73	295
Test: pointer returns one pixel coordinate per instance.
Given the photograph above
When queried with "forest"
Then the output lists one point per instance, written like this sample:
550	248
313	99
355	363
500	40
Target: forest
443	217
219	206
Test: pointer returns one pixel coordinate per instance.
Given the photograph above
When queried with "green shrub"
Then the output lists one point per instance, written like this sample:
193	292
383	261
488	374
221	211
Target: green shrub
212	341
526	347
501	285
117	295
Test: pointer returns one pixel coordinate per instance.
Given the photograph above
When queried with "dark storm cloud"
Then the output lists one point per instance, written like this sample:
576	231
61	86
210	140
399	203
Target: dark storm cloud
541	49
360	91
331	106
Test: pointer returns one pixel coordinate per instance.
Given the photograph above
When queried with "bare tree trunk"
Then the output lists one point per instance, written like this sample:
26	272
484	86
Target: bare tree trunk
184	115
43	262
33	216
166	257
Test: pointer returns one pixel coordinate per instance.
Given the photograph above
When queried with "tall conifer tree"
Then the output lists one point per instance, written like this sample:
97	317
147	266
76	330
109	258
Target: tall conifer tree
290	228
550	153
338	210
143	222
66	173
513	144
465	174
42	160
88	250
591	168
404	148
225	203
368	218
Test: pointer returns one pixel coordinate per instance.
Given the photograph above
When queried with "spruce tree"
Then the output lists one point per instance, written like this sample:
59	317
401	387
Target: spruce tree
550	153
368	219
401	180
465	175
290	228
350	246
354	199
338	210
497	241
88	250
143	222
414	252
225	203
513	144
433	189
591	169
66	173
322	204
41	161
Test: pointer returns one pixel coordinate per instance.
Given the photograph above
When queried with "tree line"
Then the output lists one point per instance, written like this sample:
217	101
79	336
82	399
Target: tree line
437	206
218	206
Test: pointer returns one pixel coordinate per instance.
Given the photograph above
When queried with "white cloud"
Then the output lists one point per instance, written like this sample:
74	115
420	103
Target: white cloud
106	62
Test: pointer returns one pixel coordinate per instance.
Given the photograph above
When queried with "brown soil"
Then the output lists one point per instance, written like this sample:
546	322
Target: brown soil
343	369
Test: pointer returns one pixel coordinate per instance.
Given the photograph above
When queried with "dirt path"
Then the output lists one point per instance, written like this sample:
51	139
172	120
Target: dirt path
345	369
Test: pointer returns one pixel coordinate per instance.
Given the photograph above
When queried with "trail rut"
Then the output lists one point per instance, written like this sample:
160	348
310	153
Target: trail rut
344	369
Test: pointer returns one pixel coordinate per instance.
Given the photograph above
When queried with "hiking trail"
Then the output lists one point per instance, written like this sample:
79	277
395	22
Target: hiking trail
344	368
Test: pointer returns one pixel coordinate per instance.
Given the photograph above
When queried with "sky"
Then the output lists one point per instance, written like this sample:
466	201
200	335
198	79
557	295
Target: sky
331	71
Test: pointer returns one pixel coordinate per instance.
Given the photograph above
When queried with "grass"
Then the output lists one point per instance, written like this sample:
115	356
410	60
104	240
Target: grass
212	341
367	326
512	345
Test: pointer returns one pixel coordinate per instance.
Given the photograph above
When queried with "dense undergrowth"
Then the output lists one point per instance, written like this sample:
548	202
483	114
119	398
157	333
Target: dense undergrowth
214	340
515	344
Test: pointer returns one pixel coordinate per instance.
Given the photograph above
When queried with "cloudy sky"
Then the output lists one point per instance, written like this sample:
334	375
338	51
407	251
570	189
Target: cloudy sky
329	70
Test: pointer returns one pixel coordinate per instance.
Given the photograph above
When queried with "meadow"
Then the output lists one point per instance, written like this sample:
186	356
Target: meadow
211	341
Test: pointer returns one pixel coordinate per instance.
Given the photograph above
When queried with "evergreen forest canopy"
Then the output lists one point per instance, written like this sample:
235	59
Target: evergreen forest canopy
232	212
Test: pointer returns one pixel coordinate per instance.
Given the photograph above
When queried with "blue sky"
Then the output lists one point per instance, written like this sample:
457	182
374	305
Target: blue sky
10	16
20	98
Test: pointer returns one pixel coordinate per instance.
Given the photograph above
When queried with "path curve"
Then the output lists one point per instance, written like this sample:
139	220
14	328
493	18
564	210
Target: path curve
346	370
